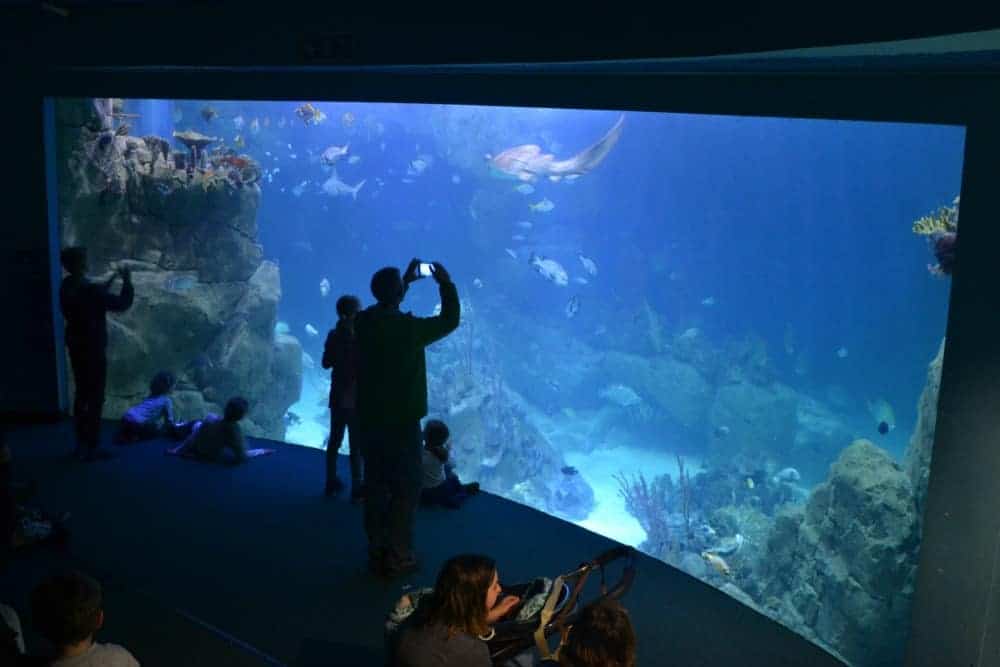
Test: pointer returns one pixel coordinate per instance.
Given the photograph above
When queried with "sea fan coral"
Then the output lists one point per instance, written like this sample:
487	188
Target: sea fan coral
649	503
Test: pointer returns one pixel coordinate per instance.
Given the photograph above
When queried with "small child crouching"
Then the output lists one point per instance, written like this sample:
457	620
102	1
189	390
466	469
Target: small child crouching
154	416
441	485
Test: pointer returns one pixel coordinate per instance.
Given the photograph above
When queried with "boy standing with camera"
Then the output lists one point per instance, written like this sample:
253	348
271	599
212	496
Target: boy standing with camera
85	305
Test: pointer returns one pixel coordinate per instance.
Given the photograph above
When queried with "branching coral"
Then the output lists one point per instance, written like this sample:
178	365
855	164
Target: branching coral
944	220
684	489
649	503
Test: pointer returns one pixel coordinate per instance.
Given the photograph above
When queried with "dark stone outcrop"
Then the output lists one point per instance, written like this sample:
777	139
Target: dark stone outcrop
917	460
841	570
206	301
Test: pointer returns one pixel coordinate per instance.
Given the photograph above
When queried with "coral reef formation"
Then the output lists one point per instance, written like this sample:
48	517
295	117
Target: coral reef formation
841	570
206	301
945	219
941	230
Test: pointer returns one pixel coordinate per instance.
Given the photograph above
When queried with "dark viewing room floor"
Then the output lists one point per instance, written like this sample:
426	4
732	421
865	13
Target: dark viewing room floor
210	565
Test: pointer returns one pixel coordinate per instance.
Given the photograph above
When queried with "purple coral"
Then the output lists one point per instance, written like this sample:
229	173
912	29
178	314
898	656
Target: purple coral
945	246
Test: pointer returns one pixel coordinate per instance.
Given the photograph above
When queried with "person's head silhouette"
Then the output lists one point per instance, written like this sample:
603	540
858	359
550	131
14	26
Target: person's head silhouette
236	409
74	260
388	287
348	306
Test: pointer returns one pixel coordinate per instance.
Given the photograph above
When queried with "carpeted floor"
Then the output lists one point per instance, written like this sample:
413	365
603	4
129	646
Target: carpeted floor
251	565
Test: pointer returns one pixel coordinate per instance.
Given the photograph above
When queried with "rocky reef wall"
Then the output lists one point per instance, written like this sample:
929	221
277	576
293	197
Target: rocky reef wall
917	460
836	564
841	569
206	301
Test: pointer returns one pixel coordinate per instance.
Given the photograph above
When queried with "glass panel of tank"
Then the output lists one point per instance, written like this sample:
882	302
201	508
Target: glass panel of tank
717	339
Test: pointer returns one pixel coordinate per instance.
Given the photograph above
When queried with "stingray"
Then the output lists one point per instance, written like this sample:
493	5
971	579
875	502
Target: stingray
528	163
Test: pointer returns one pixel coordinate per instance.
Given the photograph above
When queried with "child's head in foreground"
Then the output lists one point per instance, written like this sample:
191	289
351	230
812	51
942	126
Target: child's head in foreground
67	609
435	433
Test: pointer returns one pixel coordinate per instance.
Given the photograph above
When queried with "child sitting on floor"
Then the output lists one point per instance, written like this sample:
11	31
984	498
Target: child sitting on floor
441	485
22	526
212	436
68	610
154	416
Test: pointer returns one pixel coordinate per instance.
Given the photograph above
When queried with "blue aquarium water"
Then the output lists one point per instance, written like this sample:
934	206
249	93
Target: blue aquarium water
673	326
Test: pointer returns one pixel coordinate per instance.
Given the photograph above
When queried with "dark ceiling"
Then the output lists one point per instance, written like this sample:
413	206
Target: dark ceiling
294	34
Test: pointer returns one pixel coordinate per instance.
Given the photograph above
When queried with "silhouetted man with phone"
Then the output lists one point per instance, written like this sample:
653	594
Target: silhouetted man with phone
392	399
85	304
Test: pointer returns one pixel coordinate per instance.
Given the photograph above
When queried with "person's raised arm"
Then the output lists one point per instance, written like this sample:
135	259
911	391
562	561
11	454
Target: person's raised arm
430	329
328	350
123	300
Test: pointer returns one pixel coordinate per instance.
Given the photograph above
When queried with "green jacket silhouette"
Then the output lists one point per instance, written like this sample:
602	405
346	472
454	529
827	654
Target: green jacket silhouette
392	383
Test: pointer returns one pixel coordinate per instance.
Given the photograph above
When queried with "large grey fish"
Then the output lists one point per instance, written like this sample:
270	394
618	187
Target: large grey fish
335	187
528	163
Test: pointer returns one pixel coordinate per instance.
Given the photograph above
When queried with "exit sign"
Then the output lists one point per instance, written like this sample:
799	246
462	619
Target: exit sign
326	47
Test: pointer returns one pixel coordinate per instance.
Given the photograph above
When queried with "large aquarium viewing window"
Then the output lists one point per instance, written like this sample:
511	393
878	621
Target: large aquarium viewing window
715	338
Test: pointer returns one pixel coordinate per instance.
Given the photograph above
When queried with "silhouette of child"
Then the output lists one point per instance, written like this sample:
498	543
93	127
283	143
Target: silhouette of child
441	485
212	436
341	355
154	416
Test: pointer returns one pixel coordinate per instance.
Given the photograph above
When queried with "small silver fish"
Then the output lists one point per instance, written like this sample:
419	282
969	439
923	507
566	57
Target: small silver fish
589	265
572	306
550	269
543	206
332	154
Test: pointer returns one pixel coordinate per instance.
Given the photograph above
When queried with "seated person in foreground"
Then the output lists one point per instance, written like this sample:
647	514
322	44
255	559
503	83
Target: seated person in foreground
601	637
441	485
20	524
448	629
212	436
67	610
154	416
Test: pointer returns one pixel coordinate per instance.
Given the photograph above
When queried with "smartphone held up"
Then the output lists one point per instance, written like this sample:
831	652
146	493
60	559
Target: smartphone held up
425	269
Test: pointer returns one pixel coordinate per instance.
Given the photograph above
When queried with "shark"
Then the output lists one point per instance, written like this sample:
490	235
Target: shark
334	186
528	163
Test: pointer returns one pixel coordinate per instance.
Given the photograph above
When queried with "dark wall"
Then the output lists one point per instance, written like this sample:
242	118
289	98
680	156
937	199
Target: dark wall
226	32
957	582
30	385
